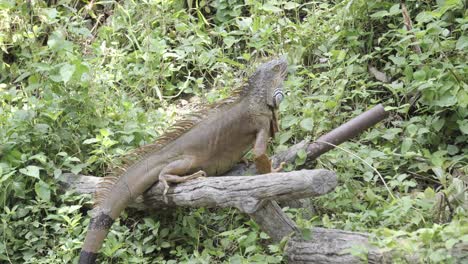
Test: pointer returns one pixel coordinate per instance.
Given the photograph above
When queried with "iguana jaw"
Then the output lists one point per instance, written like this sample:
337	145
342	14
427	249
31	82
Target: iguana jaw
274	127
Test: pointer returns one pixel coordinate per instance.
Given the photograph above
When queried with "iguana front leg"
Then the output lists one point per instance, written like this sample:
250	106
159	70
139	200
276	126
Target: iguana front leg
262	162
172	172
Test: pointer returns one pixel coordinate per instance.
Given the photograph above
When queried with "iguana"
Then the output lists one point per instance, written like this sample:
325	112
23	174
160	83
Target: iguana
209	143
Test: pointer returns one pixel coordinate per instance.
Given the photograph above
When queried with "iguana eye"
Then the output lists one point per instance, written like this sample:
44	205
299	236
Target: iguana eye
278	97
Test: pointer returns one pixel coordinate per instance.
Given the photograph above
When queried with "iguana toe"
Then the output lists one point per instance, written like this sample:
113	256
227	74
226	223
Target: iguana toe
279	168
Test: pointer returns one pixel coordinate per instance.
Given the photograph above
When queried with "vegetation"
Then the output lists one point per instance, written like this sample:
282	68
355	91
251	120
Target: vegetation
83	82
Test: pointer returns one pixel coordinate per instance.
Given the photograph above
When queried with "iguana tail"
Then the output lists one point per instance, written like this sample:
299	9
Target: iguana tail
112	196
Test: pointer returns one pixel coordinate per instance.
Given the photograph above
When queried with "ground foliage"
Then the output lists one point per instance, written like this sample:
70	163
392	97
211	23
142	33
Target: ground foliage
82	82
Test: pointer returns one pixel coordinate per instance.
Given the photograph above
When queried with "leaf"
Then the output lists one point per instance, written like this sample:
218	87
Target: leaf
250	249
105	132
290	5
307	233
285	137
463	124
425	17
271	8
429	193
50	14
452	149
462	43
419	75
229	41
447	99
381	76
264	235
42	190
32	171
57	173
244	23
90	141
394	10
450	243
307	124
66	72
273	248
301	157
380	14
406	145
399	61
57	42
301	154
288	121
165	244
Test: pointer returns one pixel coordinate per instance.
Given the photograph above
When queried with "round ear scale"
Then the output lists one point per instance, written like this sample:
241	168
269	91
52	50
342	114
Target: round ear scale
278	97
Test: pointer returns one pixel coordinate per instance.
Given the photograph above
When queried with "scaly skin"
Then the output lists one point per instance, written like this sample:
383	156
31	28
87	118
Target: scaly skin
211	147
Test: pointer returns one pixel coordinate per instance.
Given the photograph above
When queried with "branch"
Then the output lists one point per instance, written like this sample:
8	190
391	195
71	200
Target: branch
246	193
409	27
343	133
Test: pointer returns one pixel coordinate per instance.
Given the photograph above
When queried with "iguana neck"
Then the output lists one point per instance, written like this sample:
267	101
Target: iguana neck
256	99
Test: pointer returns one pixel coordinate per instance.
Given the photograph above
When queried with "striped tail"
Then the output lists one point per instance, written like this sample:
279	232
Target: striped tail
97	231
112	196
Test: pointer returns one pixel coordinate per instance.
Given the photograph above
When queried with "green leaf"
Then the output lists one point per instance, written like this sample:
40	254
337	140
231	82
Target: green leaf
399	61
50	14
285	137
90	141
425	17
301	157
406	145
301	154
32	171
229	41
244	23
419	75
271	8
447	99
450	243
290	5
307	124
288	121
57	42
395	10
165	244
42	190
66	72
452	149
307	233
463	124
105	132
380	14
429	193
462	43
264	235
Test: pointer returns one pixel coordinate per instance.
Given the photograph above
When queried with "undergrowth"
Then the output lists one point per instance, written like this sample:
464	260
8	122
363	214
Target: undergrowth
83	82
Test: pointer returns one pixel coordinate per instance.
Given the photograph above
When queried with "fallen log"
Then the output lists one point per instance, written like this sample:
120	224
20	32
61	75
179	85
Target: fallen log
246	193
327	246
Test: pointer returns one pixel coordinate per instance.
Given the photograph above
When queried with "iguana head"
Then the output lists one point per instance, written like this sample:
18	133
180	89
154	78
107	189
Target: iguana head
267	82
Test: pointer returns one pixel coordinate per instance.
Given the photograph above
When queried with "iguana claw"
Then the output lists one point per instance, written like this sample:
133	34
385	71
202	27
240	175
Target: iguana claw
279	168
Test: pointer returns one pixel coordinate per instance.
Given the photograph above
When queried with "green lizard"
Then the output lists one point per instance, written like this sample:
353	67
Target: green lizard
207	143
